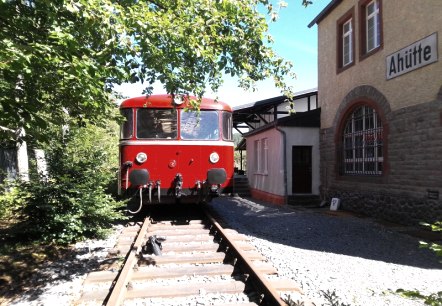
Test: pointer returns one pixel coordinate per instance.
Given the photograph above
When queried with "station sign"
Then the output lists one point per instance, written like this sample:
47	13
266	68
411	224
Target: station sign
416	55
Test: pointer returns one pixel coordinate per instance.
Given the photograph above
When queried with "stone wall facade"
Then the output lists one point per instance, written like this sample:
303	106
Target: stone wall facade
410	187
391	207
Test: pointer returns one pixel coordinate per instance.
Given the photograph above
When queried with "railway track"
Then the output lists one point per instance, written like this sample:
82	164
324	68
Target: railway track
200	263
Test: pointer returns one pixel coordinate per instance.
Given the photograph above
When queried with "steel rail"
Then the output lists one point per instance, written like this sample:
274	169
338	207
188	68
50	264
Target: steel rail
271	296
119	289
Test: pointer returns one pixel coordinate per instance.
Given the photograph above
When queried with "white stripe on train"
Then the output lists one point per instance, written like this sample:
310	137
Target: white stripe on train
176	143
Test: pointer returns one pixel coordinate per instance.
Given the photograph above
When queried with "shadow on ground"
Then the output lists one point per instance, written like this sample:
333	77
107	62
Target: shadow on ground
320	230
26	269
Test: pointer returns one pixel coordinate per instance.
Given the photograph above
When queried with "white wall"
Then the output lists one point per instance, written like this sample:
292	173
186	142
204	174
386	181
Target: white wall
272	181
303	136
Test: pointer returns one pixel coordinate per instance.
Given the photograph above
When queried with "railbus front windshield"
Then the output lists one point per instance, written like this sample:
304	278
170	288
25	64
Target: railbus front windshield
163	124
157	123
199	126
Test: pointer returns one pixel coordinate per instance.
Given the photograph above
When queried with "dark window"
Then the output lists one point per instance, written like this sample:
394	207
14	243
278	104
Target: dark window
126	130
362	150
199	126
156	123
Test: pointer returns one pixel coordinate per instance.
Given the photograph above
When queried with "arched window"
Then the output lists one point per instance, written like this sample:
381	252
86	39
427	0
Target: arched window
362	143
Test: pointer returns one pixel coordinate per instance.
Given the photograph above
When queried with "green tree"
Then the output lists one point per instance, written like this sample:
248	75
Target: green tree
59	59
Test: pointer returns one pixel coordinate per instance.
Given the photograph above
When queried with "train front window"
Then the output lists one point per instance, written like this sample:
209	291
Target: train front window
202	126
127	126
156	123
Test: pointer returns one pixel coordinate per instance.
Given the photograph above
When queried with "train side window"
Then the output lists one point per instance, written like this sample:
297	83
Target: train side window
156	123
202	126
126	130
227	126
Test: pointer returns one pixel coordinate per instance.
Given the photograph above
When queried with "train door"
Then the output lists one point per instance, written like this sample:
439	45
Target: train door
302	169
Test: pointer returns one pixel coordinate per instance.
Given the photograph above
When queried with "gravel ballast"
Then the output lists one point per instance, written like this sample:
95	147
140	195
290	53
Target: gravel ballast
361	261
357	259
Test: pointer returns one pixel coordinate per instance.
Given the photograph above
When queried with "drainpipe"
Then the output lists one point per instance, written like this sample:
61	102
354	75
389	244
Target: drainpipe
285	161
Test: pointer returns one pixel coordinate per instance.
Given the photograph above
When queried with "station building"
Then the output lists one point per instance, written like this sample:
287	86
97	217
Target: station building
380	94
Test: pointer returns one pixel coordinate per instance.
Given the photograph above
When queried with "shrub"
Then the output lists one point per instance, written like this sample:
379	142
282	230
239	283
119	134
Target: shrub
434	299
72	203
10	200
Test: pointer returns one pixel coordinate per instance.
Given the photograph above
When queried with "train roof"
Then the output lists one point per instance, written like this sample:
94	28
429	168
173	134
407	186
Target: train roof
166	101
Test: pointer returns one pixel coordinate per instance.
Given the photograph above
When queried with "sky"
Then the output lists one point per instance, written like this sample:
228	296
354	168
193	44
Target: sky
294	41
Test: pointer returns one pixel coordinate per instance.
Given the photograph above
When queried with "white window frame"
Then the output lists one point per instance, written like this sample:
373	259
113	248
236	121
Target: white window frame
347	49
257	156
261	162
375	38
265	156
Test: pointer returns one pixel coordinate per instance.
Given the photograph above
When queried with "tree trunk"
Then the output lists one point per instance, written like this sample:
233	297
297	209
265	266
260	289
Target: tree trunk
22	158
42	168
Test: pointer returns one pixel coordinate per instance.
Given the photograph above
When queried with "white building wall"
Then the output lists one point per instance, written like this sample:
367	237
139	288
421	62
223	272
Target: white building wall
271	181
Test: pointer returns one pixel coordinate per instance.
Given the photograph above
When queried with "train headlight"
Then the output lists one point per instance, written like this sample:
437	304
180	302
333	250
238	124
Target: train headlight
141	157
178	100
214	158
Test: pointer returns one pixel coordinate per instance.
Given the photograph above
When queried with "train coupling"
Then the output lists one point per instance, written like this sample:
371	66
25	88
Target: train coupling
198	185
178	185
214	188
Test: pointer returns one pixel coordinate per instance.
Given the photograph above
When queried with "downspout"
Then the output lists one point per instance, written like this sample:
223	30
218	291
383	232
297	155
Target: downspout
240	154
284	145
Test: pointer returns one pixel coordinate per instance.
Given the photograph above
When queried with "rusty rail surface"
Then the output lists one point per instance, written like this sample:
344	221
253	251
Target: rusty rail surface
118	292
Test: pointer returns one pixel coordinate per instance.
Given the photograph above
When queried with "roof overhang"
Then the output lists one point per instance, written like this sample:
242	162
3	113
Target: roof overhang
245	116
305	119
330	7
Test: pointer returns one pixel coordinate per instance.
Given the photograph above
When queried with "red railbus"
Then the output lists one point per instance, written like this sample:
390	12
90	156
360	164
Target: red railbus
170	153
